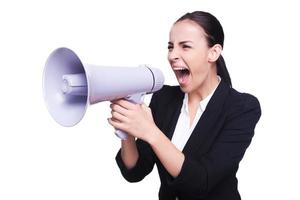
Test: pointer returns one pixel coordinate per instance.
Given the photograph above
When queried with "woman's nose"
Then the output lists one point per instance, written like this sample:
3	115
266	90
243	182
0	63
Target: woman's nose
173	55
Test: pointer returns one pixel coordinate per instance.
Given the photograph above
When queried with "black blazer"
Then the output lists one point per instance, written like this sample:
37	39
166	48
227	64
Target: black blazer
213	151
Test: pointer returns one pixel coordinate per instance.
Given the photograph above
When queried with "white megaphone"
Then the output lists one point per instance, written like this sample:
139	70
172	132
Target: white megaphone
70	86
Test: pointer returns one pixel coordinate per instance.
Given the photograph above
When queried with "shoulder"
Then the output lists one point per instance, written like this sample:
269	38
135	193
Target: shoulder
167	90
242	98
167	94
242	102
167	98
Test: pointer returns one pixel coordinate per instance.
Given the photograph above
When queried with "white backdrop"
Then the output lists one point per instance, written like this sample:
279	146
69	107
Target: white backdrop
41	160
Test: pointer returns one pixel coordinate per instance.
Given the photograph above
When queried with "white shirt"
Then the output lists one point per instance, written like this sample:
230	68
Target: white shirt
183	130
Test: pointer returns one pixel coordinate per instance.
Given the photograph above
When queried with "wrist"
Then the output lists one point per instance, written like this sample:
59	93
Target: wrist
154	136
129	139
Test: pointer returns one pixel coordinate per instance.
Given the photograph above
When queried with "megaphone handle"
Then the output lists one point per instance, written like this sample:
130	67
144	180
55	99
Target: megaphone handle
121	134
137	99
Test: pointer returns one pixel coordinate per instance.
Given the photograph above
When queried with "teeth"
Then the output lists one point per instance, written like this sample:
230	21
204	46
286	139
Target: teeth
179	68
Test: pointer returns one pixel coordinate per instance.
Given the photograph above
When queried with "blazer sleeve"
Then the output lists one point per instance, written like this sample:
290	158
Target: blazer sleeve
146	160
199	176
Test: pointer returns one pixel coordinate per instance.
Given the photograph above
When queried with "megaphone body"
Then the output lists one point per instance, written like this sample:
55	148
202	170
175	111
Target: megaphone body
70	86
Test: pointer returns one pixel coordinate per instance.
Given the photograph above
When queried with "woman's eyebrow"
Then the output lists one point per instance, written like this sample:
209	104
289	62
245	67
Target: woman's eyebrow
185	41
182	42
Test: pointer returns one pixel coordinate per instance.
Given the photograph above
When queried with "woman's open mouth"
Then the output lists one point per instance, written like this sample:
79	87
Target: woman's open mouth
182	75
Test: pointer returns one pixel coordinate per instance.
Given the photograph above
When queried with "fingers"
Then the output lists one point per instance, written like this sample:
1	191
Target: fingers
125	104
119	113
116	116
119	109
115	124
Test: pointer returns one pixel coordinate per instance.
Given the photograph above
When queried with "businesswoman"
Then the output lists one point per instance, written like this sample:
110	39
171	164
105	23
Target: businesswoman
196	133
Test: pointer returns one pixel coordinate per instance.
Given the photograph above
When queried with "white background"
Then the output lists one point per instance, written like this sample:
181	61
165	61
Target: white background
41	160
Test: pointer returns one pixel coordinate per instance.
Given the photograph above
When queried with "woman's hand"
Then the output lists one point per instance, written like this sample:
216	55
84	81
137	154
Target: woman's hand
134	119
137	121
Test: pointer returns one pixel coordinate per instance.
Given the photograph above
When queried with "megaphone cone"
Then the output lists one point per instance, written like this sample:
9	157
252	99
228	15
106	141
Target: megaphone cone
67	110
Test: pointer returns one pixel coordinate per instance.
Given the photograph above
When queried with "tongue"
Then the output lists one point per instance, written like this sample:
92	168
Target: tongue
183	78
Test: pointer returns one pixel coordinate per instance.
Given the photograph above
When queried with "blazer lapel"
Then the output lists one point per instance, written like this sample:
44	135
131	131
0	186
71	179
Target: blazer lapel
172	113
205	131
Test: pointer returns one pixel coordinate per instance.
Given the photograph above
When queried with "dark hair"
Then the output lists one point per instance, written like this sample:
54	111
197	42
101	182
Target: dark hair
214	35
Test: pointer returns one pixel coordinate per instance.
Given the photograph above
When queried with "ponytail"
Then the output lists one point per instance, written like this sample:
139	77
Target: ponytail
222	70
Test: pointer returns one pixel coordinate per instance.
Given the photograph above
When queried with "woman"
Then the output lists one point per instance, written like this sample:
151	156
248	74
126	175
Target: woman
196	133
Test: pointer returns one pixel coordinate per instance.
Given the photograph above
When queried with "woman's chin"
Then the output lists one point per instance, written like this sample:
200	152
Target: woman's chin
184	88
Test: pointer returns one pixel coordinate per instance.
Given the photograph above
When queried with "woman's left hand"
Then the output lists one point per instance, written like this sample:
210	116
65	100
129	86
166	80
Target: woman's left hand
134	119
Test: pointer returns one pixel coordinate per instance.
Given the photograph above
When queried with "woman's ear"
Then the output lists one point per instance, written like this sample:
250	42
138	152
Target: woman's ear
214	53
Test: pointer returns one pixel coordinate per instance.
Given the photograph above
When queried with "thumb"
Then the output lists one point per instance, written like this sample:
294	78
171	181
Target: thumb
146	108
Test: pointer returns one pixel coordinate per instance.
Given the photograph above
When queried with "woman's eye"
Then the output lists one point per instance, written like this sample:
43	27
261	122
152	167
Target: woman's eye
186	47
170	48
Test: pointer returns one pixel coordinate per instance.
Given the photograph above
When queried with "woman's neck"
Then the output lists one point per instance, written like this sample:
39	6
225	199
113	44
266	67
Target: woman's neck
202	92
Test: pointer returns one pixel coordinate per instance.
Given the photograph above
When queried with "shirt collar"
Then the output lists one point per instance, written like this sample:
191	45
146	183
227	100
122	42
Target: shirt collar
202	104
